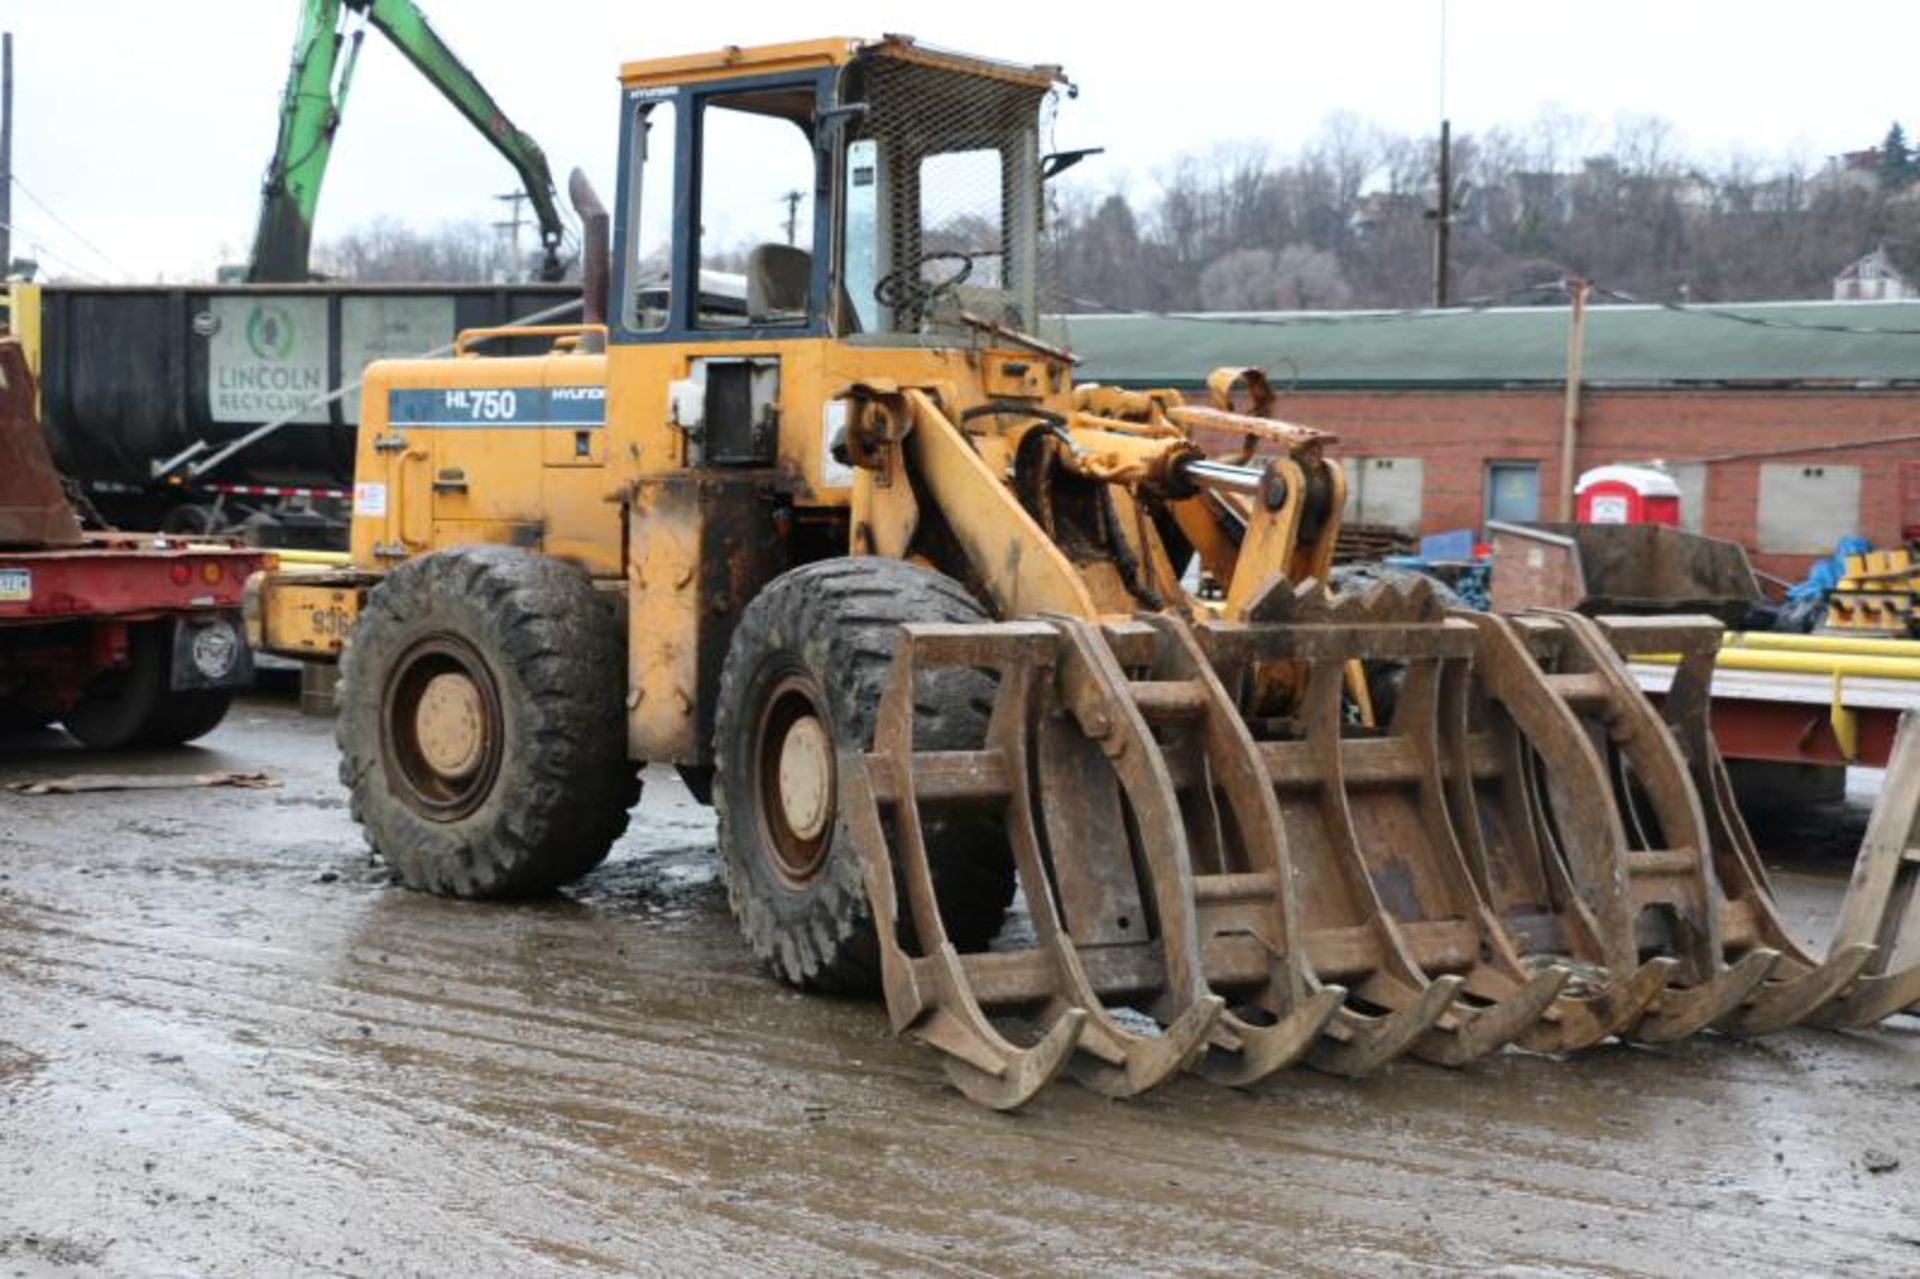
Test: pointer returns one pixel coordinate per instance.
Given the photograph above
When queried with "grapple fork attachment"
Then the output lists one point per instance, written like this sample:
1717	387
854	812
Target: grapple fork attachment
1669	854
1386	896
931	990
1108	886
1491	783
1865	969
1882	905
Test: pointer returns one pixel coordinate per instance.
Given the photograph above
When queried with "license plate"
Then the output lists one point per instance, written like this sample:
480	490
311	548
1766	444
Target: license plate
16	584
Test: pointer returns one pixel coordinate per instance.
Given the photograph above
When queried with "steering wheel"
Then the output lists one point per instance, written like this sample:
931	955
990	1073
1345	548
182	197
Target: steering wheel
903	288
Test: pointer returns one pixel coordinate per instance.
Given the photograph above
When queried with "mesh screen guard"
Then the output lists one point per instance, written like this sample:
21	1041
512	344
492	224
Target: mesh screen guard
942	198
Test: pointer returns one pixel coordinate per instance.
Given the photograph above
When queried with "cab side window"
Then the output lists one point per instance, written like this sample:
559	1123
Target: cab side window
756	211
649	231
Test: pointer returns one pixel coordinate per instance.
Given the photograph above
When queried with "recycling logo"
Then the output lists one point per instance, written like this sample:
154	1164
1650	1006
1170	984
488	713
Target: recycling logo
270	332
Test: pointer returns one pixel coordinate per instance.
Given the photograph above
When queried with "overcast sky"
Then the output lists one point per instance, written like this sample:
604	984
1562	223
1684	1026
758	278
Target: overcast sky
144	127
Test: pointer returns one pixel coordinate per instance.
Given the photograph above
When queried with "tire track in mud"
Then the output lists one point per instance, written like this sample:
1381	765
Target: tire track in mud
468	1032
608	1084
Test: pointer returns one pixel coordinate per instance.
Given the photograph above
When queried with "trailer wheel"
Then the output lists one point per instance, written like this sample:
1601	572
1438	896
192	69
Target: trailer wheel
181	715
482	723
118	706
804	674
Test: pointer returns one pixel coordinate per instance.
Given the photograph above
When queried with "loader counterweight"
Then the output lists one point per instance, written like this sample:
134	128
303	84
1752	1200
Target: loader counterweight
819	517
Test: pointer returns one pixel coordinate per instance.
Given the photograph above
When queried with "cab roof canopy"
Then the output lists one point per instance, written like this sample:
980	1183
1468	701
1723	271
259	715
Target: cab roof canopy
735	61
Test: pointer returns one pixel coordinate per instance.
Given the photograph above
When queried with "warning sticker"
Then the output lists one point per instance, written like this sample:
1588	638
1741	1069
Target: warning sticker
370	499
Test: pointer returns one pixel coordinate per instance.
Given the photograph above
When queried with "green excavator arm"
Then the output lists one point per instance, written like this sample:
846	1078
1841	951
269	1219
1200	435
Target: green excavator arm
324	54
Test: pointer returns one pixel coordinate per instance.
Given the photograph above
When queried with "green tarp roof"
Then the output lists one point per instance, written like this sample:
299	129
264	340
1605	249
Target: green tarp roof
1798	342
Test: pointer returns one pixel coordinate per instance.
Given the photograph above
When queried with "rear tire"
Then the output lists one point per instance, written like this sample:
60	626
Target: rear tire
817	644
187	713
121	707
482	723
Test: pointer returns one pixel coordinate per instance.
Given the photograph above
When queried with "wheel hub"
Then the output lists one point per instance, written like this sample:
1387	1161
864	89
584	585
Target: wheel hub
805	775
450	724
793	749
442	727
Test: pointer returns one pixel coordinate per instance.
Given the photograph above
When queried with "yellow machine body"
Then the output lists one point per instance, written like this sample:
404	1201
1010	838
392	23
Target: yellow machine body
929	623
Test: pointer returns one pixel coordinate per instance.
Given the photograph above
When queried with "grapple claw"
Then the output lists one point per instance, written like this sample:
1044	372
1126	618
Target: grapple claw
1684	1010
1021	1072
1242	1053
1479	1029
1358	1044
1783	1002
1589	1016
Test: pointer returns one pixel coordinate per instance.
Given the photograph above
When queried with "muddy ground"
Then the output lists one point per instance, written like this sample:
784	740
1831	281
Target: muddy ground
229	1047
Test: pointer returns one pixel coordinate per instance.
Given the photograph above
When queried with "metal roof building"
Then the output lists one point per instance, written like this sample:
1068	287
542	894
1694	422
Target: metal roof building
1786	425
1765	344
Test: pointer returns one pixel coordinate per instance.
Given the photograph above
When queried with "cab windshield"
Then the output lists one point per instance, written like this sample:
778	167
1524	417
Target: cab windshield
940	187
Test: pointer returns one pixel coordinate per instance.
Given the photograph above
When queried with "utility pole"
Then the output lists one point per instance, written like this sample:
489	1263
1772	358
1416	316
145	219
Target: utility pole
1442	211
512	226
1577	291
6	154
792	200
1442	215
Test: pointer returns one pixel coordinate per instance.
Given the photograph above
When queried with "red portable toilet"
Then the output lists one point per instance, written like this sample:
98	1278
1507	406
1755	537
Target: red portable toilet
1627	495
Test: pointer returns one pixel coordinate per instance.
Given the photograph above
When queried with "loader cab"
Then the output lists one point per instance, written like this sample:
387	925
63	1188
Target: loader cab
792	221
872	192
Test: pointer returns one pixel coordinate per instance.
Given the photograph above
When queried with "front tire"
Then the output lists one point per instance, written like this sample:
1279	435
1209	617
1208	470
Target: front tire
482	724
803	677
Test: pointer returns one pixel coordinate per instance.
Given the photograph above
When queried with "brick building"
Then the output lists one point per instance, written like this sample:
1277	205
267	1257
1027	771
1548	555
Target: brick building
1787	428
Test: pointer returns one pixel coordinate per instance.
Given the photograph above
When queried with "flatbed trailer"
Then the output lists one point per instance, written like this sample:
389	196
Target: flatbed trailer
126	639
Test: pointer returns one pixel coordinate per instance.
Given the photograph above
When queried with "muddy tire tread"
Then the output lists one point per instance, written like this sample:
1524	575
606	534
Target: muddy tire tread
565	787
841	616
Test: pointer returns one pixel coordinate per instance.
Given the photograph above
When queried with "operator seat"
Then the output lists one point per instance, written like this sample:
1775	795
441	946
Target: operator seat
778	279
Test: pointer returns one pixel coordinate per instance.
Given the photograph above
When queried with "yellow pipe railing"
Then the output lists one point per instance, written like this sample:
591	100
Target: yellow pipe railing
1862	665
332	559
1830	643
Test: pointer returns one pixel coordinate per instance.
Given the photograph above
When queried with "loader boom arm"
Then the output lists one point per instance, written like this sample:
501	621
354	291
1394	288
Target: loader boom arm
324	55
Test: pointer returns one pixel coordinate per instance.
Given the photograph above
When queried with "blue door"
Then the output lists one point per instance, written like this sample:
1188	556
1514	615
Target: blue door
1513	492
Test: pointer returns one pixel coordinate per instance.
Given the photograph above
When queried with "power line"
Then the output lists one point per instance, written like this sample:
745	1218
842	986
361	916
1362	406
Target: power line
98	252
40	249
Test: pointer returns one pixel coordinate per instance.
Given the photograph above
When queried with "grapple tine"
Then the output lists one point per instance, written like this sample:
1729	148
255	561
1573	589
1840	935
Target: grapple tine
931	997
1116	1061
1501	836
933	994
1358	1044
1237	1048
1802	986
1390	899
1684	1010
1584	1018
1883	900
1682	846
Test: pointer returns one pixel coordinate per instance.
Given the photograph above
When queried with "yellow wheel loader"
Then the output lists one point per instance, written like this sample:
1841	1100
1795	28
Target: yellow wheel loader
810	508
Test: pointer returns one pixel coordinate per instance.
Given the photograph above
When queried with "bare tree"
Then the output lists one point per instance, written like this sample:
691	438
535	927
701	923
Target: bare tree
1346	221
